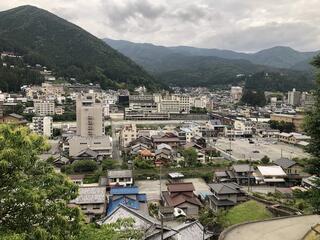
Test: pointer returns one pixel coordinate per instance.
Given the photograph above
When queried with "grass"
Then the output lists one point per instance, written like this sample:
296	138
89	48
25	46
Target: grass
245	212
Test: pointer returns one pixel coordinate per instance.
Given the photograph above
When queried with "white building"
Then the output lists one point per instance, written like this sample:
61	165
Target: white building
128	134
236	94
272	175
44	107
244	126
294	97
42	126
174	104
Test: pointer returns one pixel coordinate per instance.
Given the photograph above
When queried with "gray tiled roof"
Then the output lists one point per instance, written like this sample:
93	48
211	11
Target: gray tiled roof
225	188
284	162
119	174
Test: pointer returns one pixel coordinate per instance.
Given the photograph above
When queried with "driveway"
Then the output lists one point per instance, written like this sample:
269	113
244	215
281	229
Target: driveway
293	228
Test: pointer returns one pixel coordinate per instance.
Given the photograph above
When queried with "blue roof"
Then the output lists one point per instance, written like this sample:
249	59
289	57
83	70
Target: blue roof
142	197
113	204
124	190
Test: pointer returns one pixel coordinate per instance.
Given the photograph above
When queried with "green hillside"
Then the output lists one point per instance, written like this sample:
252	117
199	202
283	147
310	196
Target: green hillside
41	37
189	66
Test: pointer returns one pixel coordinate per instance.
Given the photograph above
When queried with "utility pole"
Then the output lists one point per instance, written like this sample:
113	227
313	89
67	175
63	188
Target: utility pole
161	216
249	177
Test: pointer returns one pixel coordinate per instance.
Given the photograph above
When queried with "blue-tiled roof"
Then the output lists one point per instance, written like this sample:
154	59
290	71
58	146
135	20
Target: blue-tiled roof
124	190
124	201
142	197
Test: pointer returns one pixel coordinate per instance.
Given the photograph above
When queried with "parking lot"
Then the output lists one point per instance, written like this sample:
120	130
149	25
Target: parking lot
152	187
242	149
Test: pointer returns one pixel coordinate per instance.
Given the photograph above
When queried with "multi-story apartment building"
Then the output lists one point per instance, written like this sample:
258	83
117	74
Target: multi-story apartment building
128	134
236	94
90	141
294	97
174	104
42	126
89	116
44	107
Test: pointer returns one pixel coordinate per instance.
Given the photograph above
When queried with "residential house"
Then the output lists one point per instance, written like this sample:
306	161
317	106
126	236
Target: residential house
119	178
181	195
77	179
289	166
92	201
146	154
225	195
294	138
170	139
241	173
127	196
163	154
147	141
13	118
142	221
270	175
201	156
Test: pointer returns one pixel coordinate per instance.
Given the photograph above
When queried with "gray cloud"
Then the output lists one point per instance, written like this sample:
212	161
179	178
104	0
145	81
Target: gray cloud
243	25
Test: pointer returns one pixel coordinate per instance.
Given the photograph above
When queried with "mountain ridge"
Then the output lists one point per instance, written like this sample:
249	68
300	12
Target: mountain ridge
45	38
258	57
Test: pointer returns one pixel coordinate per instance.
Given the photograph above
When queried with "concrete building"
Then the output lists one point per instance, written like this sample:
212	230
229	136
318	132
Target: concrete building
294	97
244	126
236	94
174	104
100	145
44	107
90	120
90	141
42	126
307	100
128	134
296	120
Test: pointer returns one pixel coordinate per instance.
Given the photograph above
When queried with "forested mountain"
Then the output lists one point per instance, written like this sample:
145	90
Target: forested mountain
42	37
278	57
189	66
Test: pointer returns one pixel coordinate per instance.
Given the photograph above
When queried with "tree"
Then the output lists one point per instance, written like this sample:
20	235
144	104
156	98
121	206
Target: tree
82	166
265	160
190	156
33	196
253	98
312	129
121	229
140	163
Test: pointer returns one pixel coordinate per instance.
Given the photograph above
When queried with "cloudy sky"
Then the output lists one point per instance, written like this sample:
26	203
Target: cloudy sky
242	25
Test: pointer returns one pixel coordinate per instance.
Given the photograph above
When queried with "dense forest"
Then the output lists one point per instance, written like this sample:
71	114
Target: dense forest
70	51
14	74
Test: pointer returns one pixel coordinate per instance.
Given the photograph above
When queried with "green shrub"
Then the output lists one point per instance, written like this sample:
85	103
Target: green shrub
82	166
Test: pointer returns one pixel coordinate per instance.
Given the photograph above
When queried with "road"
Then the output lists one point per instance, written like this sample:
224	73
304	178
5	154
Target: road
293	228
115	145
123	122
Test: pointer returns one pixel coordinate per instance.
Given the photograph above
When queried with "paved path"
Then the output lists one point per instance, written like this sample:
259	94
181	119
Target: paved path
281	229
